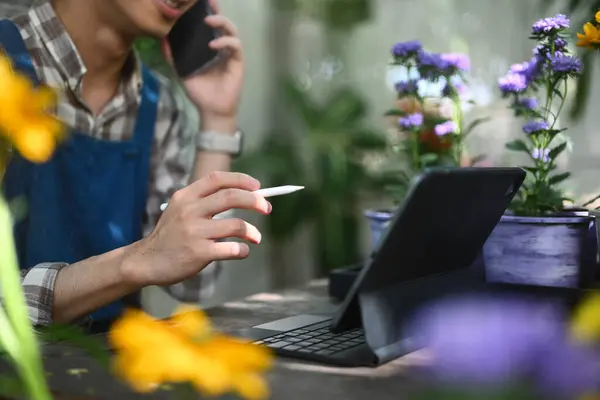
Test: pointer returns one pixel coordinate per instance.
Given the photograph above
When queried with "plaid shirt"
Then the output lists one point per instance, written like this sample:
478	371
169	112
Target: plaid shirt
59	65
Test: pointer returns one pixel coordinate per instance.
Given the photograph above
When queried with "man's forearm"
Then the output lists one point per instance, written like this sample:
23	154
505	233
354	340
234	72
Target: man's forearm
83	287
90	284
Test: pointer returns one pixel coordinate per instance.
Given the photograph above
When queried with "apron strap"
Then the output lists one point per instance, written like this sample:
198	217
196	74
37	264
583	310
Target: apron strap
143	136
12	42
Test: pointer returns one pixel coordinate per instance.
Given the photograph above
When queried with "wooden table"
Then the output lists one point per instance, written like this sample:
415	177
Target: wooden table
289	379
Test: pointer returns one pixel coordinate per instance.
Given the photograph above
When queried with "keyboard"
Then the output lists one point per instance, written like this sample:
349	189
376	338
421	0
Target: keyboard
315	339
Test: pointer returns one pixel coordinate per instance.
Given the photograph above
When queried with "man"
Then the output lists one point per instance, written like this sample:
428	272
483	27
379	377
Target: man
81	243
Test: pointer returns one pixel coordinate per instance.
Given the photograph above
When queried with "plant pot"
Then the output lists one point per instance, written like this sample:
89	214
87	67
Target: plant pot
555	251
378	223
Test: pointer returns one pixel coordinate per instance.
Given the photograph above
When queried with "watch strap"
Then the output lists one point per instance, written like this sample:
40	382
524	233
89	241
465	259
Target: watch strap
220	143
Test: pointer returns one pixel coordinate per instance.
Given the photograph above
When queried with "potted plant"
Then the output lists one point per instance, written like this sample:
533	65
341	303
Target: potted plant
328	160
428	116
542	242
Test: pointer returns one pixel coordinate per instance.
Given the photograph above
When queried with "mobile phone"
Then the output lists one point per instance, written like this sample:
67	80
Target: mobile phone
189	39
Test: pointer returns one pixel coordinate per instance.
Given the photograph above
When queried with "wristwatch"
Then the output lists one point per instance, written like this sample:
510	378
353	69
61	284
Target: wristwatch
220	142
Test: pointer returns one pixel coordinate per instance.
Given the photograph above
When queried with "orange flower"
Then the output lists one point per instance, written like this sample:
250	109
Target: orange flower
590	37
24	115
152	352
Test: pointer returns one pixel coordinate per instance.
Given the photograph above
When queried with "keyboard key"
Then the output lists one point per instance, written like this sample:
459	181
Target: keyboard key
278	345
316	338
304	350
324	352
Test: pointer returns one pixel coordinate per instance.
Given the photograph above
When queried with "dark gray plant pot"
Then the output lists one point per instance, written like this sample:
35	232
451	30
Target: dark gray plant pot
555	251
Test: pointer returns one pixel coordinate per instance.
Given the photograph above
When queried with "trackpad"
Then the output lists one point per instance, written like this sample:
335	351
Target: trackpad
291	323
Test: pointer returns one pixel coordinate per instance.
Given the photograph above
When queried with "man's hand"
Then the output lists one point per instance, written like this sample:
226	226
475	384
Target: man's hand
185	239
216	92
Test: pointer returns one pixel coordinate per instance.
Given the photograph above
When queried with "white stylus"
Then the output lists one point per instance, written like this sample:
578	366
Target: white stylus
266	192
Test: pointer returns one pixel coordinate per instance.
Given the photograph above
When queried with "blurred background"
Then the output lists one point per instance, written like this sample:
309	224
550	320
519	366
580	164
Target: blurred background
307	57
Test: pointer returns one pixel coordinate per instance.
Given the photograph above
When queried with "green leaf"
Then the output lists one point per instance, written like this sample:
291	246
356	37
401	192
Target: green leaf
344	15
554	132
474	124
394	112
477	158
558	178
344	108
302	104
555	152
428	158
558	93
532	170
11	387
368	140
518	145
291	212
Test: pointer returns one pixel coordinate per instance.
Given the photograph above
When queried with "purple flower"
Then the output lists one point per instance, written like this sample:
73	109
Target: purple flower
535	126
568	371
529	103
411	121
545	51
457	61
485	339
431	64
541	154
560	44
407	87
406	49
551	25
565	64
445	128
512	83
529	69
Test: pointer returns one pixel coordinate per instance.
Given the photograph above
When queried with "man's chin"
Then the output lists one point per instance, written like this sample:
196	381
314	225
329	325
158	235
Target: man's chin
156	32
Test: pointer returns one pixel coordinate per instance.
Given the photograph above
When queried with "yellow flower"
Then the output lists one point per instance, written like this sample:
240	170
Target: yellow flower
183	349
24	115
590	37
586	321
597	16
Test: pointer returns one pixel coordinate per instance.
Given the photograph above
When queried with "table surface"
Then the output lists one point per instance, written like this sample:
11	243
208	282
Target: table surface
289	379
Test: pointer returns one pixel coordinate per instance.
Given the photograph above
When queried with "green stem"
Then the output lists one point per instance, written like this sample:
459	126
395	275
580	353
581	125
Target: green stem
562	103
459	121
415	150
27	357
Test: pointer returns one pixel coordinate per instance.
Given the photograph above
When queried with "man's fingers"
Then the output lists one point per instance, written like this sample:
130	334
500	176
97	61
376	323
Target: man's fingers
223	24
231	44
230	228
229	251
216	181
214	5
228	199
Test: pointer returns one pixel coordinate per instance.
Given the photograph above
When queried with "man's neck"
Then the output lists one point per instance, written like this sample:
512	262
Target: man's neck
103	48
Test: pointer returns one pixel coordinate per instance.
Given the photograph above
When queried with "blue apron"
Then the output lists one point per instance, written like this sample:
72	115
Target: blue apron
90	197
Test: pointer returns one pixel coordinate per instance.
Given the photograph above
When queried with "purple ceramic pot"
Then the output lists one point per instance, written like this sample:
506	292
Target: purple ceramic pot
378	222
553	251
